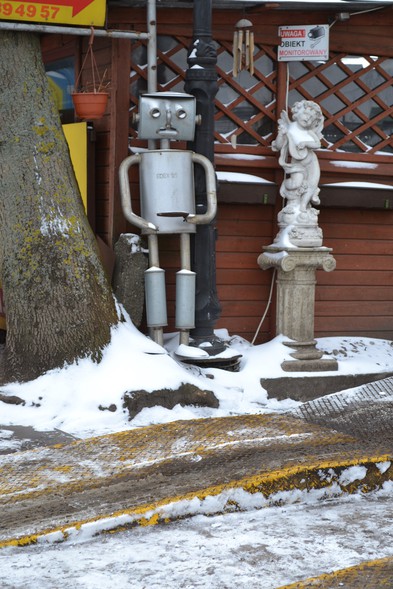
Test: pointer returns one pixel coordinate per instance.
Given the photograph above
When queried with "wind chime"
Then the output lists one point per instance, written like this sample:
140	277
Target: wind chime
243	47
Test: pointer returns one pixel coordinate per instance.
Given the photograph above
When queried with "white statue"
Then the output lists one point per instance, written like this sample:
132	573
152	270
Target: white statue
297	141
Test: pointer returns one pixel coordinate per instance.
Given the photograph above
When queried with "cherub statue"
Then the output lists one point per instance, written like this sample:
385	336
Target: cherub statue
296	142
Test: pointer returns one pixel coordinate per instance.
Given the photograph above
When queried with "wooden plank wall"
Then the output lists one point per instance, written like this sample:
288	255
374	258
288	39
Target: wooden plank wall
102	138
357	297
243	288
113	56
354	300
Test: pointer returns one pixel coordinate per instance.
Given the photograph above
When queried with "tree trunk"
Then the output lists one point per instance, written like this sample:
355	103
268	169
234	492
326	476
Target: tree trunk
59	305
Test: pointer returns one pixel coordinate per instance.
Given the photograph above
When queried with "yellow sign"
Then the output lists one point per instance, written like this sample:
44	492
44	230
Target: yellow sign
76	136
72	12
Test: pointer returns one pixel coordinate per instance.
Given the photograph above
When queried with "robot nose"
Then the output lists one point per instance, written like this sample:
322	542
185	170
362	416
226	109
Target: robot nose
168	118
168	131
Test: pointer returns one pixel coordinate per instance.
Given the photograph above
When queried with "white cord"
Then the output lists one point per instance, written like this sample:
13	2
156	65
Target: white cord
369	10
355	13
287	88
267	307
275	269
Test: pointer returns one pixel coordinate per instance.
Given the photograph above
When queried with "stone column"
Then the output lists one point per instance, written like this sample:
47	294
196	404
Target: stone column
296	280
297	251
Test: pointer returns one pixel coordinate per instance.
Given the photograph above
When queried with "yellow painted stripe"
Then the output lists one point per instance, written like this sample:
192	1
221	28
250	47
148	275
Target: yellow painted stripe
353	577
305	477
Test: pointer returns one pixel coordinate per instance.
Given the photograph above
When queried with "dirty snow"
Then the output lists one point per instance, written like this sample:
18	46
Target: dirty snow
76	398
266	547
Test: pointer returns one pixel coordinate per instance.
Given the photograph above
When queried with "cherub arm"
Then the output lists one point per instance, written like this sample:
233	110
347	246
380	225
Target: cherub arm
314	143
283	124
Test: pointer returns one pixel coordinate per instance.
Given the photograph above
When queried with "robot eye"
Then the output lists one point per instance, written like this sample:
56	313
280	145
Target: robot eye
181	113
155	113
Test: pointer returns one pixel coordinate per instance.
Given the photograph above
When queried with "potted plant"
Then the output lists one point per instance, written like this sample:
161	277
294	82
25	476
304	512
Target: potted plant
90	100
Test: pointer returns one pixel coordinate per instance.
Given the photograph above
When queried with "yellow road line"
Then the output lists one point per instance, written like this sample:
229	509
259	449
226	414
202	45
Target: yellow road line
374	574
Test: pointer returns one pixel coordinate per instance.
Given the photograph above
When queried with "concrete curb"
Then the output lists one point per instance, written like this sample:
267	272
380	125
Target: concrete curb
308	388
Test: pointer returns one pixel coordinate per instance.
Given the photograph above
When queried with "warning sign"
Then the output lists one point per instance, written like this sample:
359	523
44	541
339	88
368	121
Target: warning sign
303	43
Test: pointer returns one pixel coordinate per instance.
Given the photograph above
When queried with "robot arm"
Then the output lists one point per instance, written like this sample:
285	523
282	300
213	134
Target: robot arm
126	195
210	192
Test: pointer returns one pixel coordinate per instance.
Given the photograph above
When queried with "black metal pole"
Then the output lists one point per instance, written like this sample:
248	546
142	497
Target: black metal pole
201	81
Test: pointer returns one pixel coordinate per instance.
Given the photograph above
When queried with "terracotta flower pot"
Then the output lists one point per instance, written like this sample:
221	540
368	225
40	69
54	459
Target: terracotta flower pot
90	105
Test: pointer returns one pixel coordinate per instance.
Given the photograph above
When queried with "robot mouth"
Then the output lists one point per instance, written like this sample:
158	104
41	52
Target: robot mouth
167	132
174	214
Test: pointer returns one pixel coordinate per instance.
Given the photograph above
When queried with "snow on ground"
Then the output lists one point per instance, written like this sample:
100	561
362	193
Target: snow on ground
69	398
264	548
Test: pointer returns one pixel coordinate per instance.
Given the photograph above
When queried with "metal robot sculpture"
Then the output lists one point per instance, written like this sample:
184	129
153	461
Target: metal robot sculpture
166	179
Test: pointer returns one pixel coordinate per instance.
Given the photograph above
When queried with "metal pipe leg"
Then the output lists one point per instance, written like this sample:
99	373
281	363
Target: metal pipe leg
185	291
156	313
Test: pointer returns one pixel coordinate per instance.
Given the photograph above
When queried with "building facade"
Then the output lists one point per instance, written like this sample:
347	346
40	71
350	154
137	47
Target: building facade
354	88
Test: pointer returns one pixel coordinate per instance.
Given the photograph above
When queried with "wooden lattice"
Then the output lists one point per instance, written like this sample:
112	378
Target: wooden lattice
355	94
245	105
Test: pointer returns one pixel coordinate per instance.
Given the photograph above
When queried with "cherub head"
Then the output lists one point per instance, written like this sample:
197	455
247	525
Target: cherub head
308	115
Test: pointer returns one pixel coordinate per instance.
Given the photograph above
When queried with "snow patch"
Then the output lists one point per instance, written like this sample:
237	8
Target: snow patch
352	474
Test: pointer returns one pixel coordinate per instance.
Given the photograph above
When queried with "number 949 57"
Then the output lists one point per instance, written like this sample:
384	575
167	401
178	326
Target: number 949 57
27	11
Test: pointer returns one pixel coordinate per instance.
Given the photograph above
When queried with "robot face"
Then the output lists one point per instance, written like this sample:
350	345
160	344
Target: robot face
167	116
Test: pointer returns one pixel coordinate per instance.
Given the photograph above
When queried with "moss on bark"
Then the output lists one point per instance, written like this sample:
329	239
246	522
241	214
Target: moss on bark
59	304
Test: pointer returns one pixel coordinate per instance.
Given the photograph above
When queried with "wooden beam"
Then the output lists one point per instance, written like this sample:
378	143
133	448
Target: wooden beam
118	133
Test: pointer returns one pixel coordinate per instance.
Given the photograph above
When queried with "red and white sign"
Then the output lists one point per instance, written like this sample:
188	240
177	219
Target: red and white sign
303	43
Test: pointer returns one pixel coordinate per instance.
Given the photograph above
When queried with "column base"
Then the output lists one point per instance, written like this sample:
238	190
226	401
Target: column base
307	358
309	365
304	350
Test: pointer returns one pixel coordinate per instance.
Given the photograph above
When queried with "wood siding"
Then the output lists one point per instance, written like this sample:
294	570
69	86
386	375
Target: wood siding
243	288
357	298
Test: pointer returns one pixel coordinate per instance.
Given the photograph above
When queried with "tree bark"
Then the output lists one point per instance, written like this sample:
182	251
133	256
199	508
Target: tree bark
59	305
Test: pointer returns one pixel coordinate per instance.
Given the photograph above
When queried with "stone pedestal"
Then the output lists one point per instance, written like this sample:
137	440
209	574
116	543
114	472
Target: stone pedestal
296	280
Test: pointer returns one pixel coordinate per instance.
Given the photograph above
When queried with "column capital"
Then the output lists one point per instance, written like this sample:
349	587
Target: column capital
290	258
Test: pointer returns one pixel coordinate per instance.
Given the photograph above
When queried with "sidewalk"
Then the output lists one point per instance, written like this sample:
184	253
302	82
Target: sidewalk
159	473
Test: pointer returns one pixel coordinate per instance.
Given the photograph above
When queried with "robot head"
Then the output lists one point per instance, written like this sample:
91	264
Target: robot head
167	115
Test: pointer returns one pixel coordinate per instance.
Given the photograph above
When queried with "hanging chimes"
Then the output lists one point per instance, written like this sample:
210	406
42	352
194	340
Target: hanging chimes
243	47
